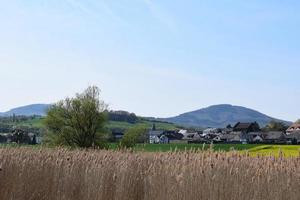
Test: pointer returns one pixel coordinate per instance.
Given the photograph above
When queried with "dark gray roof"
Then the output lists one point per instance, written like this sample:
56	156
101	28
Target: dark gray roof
256	133
231	136
241	125
295	135
156	133
273	135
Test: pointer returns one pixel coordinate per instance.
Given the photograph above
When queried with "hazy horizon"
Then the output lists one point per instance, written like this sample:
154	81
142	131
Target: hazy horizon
151	57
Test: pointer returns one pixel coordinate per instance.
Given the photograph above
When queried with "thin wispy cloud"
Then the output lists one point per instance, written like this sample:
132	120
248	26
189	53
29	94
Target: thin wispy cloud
96	10
111	12
78	5
161	15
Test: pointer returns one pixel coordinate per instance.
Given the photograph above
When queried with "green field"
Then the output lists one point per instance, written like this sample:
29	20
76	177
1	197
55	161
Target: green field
35	123
38	123
253	149
182	147
146	124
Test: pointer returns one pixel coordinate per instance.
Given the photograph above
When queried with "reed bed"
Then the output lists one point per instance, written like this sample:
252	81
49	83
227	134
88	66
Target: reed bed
27	174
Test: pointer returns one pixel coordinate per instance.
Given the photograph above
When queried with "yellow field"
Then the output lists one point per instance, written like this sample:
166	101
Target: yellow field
276	150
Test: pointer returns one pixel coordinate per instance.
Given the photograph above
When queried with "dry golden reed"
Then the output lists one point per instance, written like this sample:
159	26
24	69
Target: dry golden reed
31	174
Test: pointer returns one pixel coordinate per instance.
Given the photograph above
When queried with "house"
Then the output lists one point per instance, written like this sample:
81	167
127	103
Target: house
182	131
190	136
173	136
236	137
256	137
293	138
217	139
231	138
164	139
154	136
275	137
212	131
246	127
293	128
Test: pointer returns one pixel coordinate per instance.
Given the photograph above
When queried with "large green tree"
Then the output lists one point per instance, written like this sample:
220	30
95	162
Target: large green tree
275	126
78	121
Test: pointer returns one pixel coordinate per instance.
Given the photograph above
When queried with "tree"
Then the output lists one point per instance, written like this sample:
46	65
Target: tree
133	136
77	121
122	116
275	126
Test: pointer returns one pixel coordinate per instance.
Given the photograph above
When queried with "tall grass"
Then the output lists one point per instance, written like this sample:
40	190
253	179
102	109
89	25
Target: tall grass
27	174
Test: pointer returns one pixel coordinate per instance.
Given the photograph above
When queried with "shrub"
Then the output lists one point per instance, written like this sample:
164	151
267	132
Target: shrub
133	136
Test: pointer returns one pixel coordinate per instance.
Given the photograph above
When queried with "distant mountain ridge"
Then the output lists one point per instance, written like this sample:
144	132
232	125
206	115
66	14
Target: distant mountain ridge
29	110
213	116
220	116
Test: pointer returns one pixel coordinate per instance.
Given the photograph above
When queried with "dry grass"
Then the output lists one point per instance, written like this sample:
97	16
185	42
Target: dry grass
61	174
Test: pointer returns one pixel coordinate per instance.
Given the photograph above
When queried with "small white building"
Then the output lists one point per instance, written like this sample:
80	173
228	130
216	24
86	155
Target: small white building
154	136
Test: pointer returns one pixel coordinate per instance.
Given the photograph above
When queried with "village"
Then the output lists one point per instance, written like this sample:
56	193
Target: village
240	133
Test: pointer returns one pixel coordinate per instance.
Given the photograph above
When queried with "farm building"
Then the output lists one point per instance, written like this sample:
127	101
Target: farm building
275	137
293	138
246	127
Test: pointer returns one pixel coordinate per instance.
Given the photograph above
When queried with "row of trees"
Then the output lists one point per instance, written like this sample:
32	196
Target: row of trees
275	126
122	116
17	119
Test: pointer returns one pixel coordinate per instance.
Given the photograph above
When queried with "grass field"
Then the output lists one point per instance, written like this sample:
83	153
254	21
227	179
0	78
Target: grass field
38	123
182	147
253	149
146	124
35	123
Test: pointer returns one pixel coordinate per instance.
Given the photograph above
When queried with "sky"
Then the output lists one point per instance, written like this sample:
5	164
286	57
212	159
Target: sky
152	57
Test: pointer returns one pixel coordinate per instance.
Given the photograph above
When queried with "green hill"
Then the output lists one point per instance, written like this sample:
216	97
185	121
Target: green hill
38	123
29	110
220	116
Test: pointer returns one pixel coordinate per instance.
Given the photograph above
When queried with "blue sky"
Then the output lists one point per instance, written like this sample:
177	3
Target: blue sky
154	58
